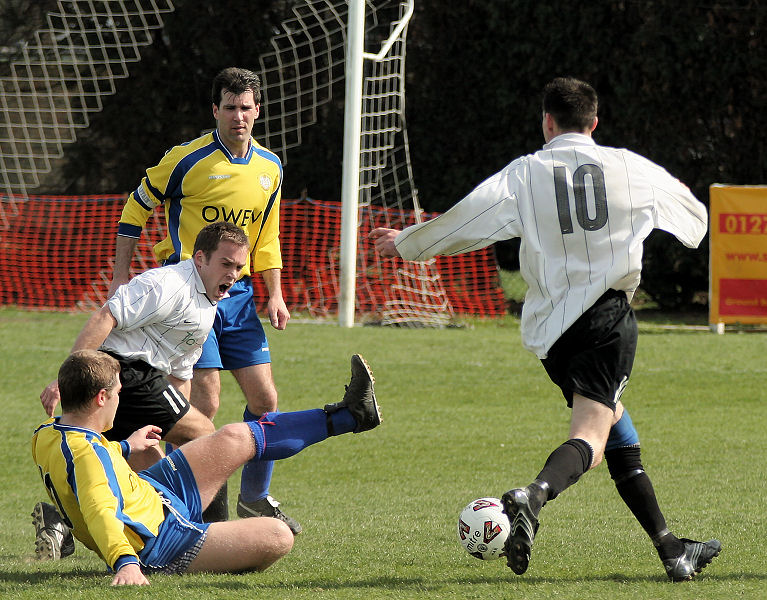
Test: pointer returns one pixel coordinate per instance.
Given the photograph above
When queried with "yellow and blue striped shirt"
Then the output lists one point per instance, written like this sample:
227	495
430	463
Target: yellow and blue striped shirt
110	509
200	182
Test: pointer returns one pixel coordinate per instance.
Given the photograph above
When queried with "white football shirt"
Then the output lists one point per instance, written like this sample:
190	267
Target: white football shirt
163	317
582	211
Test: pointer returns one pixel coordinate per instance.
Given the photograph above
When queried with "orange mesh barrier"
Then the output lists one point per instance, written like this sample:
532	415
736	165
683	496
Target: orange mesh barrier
56	254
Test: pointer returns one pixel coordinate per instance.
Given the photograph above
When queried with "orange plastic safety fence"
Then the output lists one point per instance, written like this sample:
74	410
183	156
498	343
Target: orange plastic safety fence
56	253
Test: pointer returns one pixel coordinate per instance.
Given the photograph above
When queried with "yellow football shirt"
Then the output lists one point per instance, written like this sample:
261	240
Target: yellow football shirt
199	183
107	505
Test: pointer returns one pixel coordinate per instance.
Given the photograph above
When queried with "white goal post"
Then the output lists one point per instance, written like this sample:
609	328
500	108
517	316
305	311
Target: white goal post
350	188
350	184
353	117
321	45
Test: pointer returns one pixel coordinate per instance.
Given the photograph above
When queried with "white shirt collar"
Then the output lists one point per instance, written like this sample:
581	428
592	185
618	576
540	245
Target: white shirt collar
569	139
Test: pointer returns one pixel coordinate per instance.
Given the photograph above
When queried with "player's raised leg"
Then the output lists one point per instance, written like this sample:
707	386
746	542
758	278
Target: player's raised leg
275	436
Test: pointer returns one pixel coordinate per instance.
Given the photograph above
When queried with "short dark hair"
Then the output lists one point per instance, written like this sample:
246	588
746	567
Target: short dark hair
237	81
571	102
212	235
83	375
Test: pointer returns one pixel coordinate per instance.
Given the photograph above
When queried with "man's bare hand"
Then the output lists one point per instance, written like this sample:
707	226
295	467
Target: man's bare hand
144	438
383	239
50	397
278	312
130	574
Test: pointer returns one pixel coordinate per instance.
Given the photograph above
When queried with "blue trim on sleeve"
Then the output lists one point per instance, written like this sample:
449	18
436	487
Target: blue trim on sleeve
126	449
154	191
137	196
266	154
126	559
114	486
128	230
175	194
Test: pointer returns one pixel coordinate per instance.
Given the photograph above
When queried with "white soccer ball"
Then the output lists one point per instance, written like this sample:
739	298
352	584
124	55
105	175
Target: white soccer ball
483	528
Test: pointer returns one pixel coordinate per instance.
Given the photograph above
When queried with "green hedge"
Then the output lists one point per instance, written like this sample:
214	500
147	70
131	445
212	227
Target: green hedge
680	82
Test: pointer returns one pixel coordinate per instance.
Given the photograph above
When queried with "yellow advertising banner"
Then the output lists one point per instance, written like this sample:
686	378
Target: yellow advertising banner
738	254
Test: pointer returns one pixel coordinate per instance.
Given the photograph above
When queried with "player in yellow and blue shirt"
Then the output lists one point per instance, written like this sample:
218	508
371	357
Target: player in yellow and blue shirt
122	509
224	175
151	521
201	182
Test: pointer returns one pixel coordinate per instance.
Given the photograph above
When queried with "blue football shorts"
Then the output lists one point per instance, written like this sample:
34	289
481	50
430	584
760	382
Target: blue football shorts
594	357
182	528
237	339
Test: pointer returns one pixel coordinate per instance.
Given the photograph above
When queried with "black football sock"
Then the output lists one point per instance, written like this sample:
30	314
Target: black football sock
564	467
636	490
667	545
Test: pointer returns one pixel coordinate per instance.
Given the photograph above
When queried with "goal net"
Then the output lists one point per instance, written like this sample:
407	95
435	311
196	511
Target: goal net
304	70
64	75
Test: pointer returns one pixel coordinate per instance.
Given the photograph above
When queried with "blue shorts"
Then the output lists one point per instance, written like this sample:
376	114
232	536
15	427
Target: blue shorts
182	528
237	339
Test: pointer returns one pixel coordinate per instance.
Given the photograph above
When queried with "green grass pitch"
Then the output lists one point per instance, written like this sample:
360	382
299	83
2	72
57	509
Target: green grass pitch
467	413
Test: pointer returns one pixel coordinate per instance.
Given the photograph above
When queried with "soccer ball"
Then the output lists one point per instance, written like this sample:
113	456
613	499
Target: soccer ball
483	528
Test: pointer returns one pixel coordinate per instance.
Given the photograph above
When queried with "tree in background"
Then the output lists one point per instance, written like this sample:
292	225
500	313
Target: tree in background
679	82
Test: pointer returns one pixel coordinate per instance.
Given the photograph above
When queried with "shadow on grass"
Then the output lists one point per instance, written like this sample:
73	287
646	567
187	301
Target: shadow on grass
403	584
44	577
424	584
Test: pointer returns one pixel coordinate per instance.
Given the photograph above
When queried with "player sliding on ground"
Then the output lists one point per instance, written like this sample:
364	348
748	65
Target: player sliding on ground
151	521
582	212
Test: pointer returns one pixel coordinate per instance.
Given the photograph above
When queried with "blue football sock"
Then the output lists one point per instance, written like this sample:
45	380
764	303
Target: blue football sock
343	422
281	435
623	433
255	479
256	474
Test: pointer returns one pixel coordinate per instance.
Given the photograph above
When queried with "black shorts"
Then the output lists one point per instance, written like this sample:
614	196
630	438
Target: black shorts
146	398
594	356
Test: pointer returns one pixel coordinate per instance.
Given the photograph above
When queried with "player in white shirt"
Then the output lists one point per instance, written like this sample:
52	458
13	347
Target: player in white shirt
582	212
155	326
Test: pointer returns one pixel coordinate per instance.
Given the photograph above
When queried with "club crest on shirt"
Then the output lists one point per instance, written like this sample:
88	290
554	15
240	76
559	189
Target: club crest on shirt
265	181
